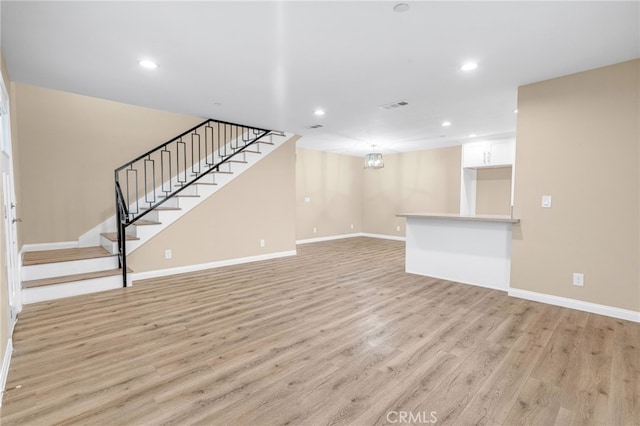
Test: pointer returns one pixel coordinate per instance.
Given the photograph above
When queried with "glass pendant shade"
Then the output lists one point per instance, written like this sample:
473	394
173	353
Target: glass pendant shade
373	161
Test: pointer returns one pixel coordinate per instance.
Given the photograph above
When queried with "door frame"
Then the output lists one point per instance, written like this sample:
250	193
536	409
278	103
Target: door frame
9	211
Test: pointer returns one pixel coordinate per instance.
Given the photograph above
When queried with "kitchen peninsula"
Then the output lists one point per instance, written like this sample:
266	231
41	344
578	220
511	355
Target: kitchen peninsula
471	249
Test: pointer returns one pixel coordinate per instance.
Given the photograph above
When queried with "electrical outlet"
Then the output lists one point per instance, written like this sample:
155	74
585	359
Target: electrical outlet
262	243
352	226
546	201
398	228
314	230
307	199
167	254
578	279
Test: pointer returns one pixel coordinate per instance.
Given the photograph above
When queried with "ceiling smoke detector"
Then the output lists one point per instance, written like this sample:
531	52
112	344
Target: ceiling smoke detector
393	105
314	126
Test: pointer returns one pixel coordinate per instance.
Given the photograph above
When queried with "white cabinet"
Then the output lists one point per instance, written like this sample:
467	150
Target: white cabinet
488	154
482	155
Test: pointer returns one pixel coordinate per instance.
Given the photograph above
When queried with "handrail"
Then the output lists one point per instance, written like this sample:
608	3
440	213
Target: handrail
154	178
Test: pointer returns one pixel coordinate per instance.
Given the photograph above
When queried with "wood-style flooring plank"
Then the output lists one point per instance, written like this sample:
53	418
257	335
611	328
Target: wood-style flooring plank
338	334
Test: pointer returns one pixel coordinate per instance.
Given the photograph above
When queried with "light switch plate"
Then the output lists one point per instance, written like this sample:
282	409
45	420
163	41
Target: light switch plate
546	201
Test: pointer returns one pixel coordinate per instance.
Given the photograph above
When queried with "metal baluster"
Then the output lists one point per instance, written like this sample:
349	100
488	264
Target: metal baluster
150	164
181	148
208	130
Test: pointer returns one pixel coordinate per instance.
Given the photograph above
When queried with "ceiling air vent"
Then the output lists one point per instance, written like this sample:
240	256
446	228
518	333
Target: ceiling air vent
315	126
393	105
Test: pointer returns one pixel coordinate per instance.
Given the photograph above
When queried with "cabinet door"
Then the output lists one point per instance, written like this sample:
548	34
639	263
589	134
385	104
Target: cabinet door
500	153
474	154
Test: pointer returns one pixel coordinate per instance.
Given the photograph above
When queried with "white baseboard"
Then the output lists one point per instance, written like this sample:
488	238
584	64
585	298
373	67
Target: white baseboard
580	305
357	234
329	238
383	236
49	246
491	287
4	373
136	276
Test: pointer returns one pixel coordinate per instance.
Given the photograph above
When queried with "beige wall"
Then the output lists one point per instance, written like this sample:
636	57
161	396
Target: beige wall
579	141
69	146
333	183
493	191
423	181
258	205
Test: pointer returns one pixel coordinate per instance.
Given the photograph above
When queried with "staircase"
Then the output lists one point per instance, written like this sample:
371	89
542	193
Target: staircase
152	191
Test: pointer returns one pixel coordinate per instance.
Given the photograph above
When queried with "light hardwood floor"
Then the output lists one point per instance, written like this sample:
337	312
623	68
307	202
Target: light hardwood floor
336	335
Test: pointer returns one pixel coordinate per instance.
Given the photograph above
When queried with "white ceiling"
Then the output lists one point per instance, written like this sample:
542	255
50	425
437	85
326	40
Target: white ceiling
271	64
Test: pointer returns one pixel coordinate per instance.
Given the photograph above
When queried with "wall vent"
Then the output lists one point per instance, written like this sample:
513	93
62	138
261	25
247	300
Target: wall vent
393	105
314	126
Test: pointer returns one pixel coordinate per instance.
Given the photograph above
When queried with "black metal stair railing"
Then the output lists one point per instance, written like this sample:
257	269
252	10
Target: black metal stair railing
150	180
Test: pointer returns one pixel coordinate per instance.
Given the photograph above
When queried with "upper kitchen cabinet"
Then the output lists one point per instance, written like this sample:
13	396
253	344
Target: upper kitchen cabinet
488	153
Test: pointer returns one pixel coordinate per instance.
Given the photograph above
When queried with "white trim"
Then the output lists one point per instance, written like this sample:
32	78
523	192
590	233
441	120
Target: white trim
4	373
384	237
458	282
49	246
329	238
136	276
354	235
580	305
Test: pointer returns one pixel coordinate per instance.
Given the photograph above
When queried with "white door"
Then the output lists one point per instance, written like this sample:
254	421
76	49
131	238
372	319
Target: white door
9	212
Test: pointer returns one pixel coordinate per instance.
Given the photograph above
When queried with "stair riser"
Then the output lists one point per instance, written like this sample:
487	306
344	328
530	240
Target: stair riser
77	288
48	270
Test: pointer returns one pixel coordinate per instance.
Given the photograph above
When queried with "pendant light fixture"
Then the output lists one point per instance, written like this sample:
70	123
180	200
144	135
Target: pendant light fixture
373	160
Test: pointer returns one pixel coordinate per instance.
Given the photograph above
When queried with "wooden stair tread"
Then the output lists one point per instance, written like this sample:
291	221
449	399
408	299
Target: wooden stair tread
162	208
113	236
222	171
251	151
206	183
72	278
145	222
63	255
182	196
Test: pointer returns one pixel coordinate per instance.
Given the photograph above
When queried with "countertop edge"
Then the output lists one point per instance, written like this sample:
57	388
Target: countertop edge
480	218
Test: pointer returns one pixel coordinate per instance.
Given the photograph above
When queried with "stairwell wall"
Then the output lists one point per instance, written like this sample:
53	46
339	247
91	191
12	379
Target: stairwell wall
69	146
260	204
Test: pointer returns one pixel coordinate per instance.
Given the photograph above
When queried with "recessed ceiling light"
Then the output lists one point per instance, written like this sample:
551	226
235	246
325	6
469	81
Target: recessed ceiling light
469	66
472	135
515	111
401	7
319	112
145	63
446	123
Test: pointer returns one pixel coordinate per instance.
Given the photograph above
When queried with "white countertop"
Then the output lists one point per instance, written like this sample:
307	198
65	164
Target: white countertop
451	216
